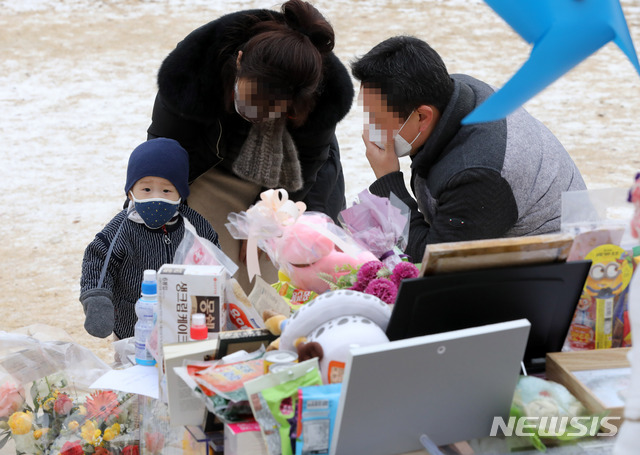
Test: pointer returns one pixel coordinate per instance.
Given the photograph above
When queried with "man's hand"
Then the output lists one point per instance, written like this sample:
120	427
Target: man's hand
382	162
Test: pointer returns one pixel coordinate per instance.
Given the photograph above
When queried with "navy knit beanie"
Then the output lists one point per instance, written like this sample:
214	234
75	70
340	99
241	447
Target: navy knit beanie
160	157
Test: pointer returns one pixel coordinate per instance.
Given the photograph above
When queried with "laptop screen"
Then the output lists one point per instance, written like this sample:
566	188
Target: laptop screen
545	294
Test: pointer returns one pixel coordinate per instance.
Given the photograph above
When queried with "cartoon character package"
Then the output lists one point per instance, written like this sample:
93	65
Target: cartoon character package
600	221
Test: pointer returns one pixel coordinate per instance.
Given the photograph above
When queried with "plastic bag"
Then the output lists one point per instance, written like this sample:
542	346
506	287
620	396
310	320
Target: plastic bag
600	222
197	250
49	406
553	414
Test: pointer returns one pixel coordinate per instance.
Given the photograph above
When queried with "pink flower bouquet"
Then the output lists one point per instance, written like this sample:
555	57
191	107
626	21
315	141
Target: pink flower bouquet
379	224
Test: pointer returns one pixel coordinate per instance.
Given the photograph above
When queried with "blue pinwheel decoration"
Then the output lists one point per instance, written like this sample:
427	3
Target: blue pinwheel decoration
563	33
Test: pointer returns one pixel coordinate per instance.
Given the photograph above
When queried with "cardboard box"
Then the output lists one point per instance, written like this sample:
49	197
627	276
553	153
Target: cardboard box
243	438
187	289
587	374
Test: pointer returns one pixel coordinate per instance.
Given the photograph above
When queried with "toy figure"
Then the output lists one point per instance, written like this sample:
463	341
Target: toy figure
329	326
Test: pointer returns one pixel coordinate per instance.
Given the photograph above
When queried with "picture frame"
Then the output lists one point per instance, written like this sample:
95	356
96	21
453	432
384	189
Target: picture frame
598	378
237	340
480	254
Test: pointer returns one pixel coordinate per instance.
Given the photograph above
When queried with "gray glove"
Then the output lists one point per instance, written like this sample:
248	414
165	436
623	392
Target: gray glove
98	308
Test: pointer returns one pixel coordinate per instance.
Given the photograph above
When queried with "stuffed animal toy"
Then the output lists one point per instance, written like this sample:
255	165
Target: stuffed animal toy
308	248
329	326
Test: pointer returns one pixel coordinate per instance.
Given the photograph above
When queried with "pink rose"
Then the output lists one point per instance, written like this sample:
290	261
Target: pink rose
63	404
11	398
154	442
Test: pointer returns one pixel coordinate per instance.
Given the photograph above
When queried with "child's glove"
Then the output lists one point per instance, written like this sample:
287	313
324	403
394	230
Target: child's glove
98	308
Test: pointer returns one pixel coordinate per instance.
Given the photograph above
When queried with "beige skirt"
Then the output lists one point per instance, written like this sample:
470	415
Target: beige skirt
214	195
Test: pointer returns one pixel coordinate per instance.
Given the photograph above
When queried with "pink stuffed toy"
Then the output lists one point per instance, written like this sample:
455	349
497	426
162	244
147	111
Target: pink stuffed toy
306	248
301	244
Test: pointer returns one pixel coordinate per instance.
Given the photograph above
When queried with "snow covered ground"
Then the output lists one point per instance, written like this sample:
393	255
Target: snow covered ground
77	83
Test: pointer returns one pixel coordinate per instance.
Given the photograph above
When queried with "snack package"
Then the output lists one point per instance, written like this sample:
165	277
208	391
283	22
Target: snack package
241	314
599	220
293	296
317	409
273	398
220	384
598	322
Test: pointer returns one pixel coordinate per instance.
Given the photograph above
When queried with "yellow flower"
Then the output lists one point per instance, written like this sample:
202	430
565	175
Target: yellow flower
48	404
111	432
73	425
82	410
20	422
40	432
89	432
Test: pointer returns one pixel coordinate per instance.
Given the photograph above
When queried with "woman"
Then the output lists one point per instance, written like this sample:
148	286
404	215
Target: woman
254	97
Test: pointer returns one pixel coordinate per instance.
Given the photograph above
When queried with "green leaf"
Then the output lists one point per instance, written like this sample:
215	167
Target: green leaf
4	439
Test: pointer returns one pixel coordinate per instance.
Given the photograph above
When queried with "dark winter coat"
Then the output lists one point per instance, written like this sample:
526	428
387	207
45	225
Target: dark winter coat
137	248
190	108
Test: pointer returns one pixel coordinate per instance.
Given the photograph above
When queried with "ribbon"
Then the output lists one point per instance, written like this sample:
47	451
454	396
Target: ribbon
275	208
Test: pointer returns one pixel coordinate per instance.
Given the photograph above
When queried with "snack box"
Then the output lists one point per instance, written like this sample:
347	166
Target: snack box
187	289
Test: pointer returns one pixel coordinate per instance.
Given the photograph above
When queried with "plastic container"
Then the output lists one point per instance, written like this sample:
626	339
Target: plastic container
145	309
198	330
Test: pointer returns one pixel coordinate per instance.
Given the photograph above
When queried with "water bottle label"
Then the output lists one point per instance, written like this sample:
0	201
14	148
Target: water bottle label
143	357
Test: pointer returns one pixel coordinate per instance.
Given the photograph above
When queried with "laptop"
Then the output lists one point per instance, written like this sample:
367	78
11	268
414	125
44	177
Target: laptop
447	386
544	294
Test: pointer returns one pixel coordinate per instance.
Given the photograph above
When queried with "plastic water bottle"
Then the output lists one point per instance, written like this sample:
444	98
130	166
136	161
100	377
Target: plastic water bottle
145	307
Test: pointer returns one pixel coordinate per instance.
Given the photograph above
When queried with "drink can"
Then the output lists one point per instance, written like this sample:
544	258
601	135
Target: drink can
276	367
278	357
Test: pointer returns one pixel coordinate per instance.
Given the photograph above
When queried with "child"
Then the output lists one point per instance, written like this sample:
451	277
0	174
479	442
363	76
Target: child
143	236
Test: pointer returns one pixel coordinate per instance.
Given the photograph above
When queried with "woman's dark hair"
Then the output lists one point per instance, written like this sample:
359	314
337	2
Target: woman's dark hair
285	58
408	72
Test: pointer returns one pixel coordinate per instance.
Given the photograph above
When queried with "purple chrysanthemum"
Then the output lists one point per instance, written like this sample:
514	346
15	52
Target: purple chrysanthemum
357	286
382	288
403	271
368	271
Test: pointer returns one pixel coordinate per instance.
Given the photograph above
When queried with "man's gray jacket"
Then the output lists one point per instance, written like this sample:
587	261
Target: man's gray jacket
486	180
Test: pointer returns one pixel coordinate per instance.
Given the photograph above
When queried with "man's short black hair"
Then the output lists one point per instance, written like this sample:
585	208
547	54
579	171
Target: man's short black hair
408	72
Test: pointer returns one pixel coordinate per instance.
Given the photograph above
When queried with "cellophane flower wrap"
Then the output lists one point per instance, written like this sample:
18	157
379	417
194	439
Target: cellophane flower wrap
46	406
300	244
263	223
379	224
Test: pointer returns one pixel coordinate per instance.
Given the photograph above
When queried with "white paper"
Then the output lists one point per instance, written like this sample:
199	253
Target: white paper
264	297
139	379
607	385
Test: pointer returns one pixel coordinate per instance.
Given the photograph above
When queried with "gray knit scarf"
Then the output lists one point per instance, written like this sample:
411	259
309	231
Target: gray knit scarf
269	157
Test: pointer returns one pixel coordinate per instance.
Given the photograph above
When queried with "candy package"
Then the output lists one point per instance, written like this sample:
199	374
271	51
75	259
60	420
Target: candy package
317	409
273	398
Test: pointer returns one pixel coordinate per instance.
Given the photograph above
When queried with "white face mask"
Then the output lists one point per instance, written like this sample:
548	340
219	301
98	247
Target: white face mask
400	144
246	111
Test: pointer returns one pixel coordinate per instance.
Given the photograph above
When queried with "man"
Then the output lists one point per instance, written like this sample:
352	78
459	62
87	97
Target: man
478	181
